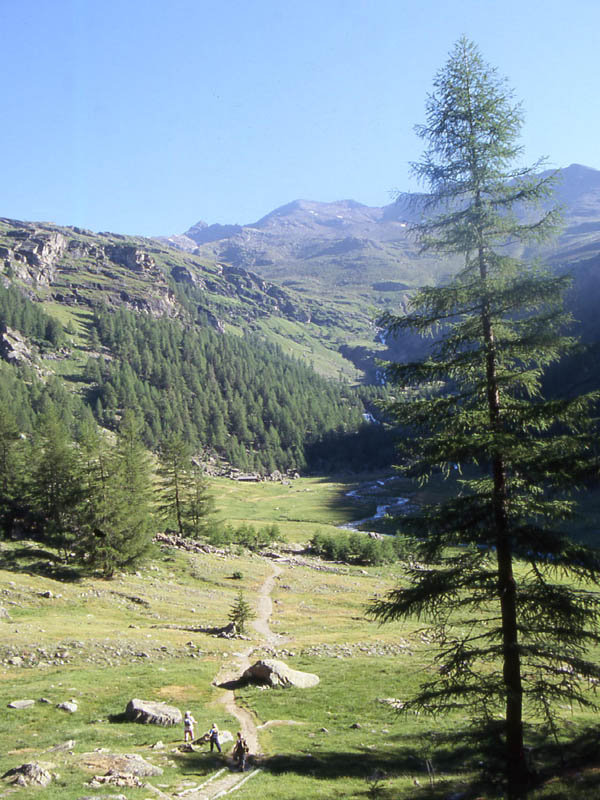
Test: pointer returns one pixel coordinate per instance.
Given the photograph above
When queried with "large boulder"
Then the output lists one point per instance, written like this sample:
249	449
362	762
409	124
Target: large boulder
151	713
271	672
32	774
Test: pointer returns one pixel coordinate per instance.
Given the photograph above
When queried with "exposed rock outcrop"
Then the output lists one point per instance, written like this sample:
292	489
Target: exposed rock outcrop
131	257
13	347
183	275
34	254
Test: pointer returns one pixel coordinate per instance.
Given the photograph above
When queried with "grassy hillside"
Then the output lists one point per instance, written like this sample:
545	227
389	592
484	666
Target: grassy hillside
71	270
151	635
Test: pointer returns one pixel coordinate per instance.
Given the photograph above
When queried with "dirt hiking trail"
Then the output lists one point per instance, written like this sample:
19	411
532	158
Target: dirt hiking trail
225	781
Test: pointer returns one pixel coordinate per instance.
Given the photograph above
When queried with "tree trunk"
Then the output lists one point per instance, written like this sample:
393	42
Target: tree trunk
517	770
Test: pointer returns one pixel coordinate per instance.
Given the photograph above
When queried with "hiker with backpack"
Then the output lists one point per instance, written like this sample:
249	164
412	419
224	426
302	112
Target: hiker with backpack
188	727
240	751
213	738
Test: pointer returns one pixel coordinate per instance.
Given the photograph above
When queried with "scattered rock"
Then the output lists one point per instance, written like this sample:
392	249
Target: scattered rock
68	745
103	797
116	779
32	774
225	736
21	704
119	769
4	613
134	764
391	701
276	673
356	725
151	713
68	705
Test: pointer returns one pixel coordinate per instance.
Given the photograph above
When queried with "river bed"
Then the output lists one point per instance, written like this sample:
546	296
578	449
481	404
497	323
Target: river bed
369	491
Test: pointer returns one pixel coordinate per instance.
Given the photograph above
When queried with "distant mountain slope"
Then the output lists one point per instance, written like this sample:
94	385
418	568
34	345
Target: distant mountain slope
310	277
342	246
361	259
93	324
75	267
325	241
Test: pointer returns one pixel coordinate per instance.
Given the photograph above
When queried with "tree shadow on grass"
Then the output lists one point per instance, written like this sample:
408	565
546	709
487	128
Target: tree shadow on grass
321	765
576	762
201	763
38	561
473	757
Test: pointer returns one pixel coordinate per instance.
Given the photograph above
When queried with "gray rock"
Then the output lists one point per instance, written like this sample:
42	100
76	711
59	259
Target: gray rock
152	713
69	706
103	797
21	704
13	347
134	764
271	672
225	736
4	613
68	745
29	774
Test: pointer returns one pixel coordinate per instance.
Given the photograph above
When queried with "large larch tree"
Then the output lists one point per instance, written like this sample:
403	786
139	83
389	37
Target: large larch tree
514	597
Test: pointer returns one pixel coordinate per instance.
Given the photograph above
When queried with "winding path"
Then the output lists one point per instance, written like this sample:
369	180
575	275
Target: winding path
226	781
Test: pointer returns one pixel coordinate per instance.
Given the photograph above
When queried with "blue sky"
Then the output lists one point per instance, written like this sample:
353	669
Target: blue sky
145	116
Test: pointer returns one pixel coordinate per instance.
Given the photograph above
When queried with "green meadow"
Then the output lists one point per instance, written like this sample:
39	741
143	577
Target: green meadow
151	634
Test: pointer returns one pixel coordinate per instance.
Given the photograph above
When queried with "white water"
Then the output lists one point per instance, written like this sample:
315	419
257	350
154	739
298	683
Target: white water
382	509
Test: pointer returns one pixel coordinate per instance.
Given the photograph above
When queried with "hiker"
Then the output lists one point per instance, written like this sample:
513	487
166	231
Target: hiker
188	727
213	738
240	751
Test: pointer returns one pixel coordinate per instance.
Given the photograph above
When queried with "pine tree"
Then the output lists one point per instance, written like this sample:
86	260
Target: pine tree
114	512
12	462
128	540
55	481
175	462
241	613
200	504
495	558
9	441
